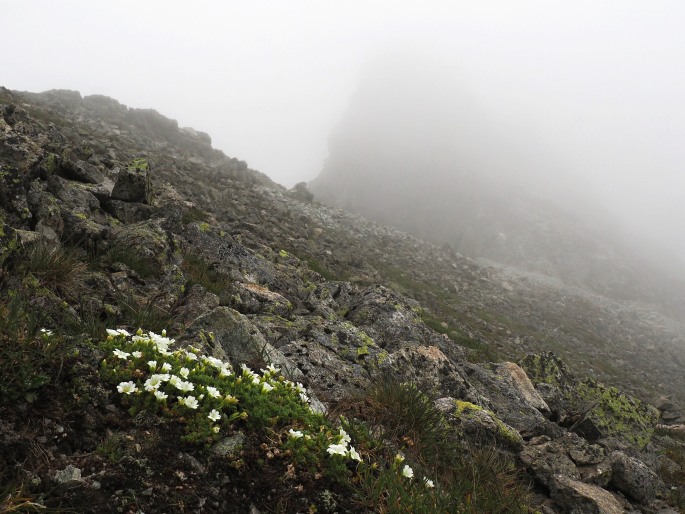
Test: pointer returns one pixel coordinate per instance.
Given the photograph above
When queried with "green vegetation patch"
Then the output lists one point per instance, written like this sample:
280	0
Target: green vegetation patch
605	411
138	164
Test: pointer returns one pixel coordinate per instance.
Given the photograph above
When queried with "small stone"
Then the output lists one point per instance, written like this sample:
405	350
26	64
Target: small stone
69	476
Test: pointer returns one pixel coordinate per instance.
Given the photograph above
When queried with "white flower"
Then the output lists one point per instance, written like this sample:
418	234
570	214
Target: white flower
152	383
137	355
190	402
214	415
46	332
166	367
300	388
123	332
152	364
295	434
161	395
162	377
215	430
127	387
120	354
184	372
185	386
230	399
304	398
337	449
225	371
344	437
407	472
191	356
266	387
399	458
429	483
213	392
112	333
213	361
354	455
175	381
161	342
255	380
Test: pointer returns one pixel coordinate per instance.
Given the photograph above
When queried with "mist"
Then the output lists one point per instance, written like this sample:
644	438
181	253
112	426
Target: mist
580	104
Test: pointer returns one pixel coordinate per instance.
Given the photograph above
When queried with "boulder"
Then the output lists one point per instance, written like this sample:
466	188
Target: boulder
427	367
479	425
574	497
72	168
133	184
633	478
588	407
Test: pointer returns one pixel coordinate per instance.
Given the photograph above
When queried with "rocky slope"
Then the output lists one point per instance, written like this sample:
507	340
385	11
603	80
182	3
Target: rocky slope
413	152
115	217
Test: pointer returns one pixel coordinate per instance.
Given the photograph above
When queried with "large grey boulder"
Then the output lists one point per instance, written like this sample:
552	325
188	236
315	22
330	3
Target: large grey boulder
634	478
574	497
133	184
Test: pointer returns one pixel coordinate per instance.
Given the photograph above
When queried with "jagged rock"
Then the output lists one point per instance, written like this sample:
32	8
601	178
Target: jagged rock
548	460
253	298
671	413
148	244
390	319
633	478
133	185
592	409
69	477
575	497
229	335
505	400
523	385
334	375
74	199
427	367
128	212
198	301
45	210
479	425
300	192
229	447
70	167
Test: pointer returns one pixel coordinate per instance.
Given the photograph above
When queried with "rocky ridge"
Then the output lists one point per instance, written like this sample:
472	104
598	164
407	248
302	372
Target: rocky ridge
177	229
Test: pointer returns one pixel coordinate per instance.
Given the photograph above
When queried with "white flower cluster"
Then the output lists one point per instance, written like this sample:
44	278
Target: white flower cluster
166	378
341	447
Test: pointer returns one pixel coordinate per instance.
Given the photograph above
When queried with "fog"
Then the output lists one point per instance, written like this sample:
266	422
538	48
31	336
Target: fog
584	97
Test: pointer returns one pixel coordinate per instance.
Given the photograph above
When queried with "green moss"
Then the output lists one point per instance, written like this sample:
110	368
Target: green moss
283	254
617	414
139	164
505	433
204	226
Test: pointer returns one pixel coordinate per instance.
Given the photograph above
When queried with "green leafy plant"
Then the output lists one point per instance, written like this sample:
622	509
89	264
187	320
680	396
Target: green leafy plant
30	358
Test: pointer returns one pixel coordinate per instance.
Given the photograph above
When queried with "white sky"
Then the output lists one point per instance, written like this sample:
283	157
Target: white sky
601	83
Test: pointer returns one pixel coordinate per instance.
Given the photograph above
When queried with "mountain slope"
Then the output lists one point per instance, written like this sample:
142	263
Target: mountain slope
114	217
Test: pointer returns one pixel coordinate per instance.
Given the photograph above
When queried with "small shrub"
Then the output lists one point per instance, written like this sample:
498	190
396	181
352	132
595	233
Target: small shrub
144	313
59	269
30	358
197	272
144	267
